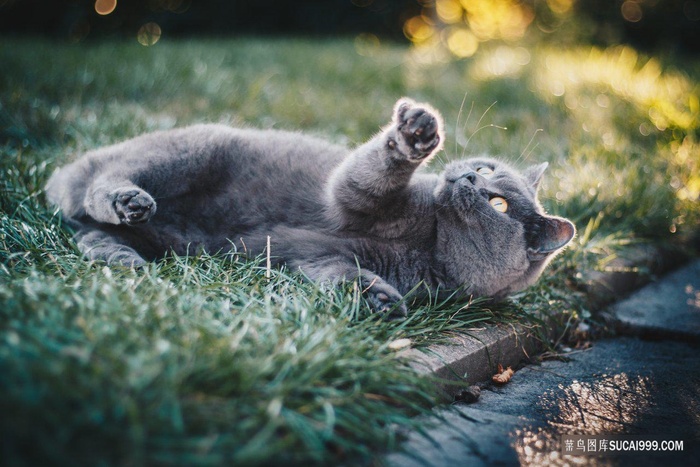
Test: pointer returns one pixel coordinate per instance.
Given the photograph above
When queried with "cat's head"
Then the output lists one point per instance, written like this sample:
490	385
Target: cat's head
493	236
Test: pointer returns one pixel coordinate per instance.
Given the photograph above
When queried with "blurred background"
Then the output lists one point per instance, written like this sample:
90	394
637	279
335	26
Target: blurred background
460	24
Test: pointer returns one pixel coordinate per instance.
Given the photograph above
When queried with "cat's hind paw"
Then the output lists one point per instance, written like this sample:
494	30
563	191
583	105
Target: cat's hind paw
134	206
384	299
419	130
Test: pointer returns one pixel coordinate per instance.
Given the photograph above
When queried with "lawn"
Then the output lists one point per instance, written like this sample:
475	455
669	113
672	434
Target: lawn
205	360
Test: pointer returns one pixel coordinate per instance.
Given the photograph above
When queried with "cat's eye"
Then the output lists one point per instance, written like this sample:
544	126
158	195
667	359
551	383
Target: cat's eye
484	171
499	204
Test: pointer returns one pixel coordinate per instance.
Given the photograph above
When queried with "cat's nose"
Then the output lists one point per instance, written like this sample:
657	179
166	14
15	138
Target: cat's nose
471	176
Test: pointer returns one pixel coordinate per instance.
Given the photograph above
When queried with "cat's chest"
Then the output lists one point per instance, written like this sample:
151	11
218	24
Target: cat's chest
400	261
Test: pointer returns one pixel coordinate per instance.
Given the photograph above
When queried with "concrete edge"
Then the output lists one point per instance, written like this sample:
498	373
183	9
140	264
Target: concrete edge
474	356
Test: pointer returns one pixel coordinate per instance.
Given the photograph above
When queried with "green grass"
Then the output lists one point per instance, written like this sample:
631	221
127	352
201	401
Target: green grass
205	361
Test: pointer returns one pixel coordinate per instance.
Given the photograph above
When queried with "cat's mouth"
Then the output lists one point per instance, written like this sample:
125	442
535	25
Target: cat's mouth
466	193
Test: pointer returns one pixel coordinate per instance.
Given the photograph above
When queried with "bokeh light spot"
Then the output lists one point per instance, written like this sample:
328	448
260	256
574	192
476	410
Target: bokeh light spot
631	11
498	19
560	7
449	11
105	7
367	44
148	34
557	88
502	62
418	29
461	42
603	101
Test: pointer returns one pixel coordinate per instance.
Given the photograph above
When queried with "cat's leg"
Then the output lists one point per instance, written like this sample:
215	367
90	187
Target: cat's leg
118	201
382	296
377	173
97	244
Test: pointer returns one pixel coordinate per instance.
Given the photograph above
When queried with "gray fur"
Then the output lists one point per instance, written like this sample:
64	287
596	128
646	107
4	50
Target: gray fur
335	214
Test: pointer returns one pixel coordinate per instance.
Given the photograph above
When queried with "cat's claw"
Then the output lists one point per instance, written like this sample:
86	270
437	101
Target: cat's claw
134	206
419	130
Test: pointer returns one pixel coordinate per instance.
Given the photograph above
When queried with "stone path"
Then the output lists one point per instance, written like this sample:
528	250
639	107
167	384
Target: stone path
620	390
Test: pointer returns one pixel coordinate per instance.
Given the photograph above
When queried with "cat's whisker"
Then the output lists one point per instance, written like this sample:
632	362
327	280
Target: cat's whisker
469	116
440	207
485	112
490	125
478	129
523	156
464	128
459	115
531	150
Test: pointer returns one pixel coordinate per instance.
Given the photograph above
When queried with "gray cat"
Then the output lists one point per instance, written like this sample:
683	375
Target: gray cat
335	214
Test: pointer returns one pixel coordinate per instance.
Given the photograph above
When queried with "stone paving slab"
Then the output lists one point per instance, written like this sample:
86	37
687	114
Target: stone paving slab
628	273
622	386
669	309
465	438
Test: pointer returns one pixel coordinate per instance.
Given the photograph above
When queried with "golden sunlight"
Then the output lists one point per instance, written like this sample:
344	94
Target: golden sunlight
458	26
418	29
669	96
504	61
498	19
461	42
560	7
449	11
605	406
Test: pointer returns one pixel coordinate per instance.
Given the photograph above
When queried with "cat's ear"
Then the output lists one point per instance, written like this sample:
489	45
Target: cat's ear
554	234
533	175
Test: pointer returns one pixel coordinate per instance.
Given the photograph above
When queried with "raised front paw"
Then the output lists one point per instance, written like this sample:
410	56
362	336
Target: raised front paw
418	130
134	206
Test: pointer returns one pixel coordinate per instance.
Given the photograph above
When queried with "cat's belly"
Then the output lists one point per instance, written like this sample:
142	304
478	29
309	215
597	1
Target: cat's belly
223	221
154	240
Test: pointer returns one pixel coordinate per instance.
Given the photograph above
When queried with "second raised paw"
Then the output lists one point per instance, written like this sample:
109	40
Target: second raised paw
418	130
134	206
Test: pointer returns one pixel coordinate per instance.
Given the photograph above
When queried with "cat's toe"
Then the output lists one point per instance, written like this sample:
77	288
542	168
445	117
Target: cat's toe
134	206
126	259
421	131
388	304
418	129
